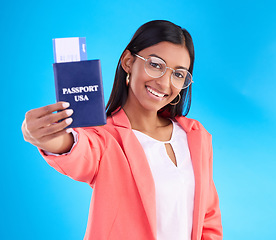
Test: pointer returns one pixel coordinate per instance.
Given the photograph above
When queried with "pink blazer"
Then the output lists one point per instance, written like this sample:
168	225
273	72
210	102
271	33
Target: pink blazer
112	161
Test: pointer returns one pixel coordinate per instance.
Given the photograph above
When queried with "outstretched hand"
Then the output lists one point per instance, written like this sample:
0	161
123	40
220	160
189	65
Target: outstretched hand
45	129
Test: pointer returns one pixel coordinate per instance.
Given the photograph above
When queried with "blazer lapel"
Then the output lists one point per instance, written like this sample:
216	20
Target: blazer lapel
139	167
194	137
194	142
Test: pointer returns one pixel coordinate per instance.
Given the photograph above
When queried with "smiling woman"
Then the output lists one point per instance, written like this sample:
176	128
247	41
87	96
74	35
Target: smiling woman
155	92
150	166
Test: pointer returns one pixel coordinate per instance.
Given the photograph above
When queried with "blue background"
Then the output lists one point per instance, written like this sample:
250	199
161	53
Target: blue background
233	97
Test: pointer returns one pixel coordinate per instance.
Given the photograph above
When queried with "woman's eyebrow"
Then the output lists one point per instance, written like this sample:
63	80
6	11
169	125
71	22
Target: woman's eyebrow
154	55
177	67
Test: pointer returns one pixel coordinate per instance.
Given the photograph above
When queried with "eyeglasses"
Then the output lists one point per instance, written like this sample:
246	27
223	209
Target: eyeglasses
155	67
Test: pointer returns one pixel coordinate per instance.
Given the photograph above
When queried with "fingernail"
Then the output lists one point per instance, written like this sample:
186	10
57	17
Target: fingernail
68	120
69	130
65	104
69	112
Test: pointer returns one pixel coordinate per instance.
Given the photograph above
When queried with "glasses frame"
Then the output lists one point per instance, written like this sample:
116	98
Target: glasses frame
173	71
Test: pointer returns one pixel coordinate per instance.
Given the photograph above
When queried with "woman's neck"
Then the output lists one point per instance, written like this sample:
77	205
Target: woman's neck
144	120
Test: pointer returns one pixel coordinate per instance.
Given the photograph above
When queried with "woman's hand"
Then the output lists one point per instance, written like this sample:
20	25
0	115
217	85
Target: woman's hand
41	127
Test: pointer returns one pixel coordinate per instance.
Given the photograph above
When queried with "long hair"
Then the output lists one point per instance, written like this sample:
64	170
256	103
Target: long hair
147	35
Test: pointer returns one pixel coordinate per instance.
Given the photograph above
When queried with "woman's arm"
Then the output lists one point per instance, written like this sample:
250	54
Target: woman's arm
42	128
82	163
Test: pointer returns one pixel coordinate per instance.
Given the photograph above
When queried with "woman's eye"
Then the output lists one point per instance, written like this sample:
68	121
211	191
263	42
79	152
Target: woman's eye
156	65
179	75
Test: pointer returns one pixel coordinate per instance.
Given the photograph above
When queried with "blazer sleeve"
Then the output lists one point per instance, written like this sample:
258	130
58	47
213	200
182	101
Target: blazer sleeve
82	162
212	227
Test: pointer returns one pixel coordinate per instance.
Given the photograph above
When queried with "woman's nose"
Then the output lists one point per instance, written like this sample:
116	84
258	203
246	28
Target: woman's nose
165	80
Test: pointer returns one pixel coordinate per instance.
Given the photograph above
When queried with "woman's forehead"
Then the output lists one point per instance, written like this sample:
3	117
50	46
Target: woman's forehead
173	54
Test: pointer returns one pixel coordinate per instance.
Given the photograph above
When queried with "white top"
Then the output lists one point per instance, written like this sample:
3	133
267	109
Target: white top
174	185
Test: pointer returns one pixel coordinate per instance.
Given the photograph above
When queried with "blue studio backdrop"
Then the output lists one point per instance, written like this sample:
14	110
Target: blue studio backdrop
233	97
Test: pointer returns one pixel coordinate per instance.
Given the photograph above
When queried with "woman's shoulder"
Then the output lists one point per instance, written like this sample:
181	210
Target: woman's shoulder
190	124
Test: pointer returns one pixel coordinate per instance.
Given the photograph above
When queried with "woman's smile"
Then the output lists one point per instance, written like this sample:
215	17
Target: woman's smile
155	93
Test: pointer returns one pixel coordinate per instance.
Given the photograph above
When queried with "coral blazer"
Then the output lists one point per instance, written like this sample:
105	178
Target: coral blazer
111	160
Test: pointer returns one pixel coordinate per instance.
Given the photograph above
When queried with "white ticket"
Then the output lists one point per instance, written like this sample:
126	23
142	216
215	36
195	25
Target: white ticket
69	49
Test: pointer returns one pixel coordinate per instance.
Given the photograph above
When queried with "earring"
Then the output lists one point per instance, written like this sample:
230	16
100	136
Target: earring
127	79
179	98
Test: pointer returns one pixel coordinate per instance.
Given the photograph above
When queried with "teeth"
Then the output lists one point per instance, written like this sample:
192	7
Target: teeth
155	93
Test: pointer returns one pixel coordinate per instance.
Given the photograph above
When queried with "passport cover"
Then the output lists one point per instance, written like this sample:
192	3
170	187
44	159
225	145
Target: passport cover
80	84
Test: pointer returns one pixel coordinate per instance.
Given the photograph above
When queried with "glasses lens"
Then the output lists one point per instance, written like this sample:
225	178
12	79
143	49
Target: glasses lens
181	78
155	67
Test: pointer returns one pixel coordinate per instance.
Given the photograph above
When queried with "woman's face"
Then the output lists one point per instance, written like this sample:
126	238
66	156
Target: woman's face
150	93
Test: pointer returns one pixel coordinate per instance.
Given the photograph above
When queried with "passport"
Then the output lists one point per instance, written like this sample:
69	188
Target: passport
80	84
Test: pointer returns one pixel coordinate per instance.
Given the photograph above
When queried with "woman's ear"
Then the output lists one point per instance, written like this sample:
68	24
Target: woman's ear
127	61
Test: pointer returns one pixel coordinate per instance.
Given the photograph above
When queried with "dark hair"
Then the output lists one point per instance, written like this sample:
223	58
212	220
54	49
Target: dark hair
147	35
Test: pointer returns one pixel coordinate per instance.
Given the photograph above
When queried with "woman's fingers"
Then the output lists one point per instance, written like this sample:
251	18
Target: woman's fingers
50	119
46	110
51	129
42	122
54	118
33	117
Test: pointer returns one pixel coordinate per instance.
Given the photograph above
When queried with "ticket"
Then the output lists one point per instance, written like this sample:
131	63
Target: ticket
69	49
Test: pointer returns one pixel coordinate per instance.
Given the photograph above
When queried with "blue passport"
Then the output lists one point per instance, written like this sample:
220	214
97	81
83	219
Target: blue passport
80	84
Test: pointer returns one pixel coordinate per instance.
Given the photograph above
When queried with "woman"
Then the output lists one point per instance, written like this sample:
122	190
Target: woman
150	167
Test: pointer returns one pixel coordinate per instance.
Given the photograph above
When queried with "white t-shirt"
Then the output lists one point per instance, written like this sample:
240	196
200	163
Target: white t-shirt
174	185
